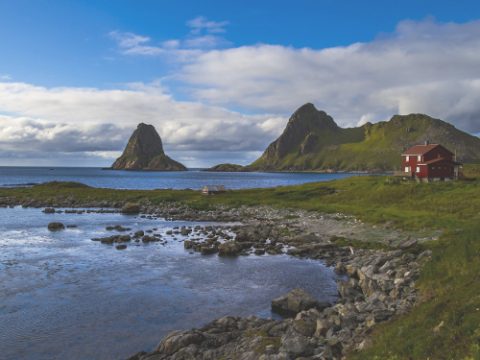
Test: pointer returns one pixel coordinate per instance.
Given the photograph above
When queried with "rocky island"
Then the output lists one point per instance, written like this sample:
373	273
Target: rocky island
144	151
227	168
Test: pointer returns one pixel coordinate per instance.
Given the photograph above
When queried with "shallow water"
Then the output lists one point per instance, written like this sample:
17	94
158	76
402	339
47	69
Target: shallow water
192	179
63	296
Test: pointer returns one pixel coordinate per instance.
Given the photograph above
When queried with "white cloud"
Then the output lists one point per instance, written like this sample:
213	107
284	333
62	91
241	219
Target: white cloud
134	44
202	24
423	67
203	35
89	120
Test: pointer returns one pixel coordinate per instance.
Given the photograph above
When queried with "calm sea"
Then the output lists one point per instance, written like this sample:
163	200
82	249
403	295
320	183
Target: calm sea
63	296
192	179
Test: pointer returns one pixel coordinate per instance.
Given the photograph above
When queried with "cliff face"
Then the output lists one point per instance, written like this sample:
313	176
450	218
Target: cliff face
313	141
144	151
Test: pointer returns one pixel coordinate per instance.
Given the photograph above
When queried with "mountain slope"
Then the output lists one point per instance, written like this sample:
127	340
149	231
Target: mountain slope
144	151
313	141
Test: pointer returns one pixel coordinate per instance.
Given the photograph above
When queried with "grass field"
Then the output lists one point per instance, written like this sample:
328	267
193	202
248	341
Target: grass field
446	325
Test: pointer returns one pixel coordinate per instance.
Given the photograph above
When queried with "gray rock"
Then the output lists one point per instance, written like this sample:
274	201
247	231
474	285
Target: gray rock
208	250
295	301
305	322
130	208
55	226
229	248
177	340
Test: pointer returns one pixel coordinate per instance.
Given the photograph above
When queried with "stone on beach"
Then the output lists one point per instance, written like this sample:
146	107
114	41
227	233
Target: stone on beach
130	208
295	301
55	226
229	248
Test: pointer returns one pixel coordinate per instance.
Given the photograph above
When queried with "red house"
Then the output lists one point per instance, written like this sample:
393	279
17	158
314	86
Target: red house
430	162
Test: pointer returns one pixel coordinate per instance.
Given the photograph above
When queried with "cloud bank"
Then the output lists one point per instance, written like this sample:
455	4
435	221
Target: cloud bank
91	120
425	67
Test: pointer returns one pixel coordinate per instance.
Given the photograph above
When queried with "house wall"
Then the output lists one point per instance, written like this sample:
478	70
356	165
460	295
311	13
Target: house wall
441	169
412	163
424	171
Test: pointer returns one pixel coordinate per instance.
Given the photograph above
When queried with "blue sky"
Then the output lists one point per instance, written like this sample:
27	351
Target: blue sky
59	43
67	68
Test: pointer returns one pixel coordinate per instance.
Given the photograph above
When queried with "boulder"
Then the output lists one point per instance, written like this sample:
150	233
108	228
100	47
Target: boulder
121	247
139	233
55	226
185	231
49	210
148	238
208	250
188	244
130	208
123	238
296	346
177	340
119	228
229	248
322	326
295	301
305	322
106	240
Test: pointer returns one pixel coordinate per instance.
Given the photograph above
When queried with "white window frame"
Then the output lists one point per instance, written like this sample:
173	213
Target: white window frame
407	169
419	158
418	169
408	158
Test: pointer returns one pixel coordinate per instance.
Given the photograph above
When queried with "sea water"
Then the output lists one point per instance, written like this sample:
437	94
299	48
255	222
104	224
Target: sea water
192	179
64	296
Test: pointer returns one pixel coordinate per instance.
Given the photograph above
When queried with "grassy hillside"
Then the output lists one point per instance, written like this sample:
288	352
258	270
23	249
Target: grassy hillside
446	325
312	141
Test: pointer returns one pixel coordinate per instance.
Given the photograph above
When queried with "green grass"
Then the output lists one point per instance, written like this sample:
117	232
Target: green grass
471	171
449	284
373	245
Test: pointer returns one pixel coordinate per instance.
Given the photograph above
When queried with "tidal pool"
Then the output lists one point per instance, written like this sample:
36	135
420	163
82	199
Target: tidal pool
63	296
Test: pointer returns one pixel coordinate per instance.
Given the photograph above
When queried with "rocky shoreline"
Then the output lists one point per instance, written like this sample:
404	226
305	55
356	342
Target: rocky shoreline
379	280
378	285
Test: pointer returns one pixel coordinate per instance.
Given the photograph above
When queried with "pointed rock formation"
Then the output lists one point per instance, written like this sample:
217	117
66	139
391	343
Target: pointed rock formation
144	151
313	141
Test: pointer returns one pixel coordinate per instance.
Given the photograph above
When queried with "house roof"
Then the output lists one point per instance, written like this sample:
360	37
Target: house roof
420	149
423	149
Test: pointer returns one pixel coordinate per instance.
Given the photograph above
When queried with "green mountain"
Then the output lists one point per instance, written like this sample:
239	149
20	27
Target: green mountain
144	151
313	141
